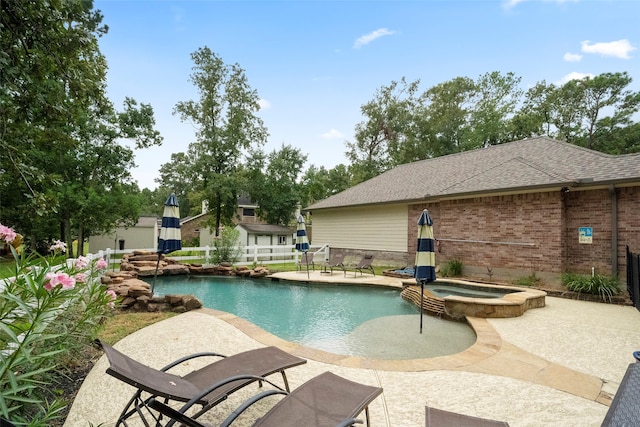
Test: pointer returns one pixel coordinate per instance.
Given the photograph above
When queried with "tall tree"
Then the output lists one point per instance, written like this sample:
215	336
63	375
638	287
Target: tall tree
496	99
276	189
386	137
601	93
226	127
448	107
58	130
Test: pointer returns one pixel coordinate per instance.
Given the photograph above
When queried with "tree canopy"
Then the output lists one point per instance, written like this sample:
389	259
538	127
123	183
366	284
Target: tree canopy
403	125
64	173
227	127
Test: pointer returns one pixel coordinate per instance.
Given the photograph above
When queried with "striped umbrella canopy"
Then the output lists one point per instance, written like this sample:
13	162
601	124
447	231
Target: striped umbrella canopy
302	241
170	237
425	265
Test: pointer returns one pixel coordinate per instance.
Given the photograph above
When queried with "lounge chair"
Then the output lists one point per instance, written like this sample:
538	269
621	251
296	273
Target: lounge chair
205	387
324	401
306	261
336	260
366	263
441	418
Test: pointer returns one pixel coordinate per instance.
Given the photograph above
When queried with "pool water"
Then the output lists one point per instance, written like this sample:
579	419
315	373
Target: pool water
444	289
350	320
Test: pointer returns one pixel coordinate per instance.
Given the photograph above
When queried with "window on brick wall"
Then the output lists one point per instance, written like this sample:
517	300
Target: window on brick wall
248	212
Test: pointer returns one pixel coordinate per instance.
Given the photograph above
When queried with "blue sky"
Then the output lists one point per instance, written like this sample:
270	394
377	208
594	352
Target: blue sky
315	63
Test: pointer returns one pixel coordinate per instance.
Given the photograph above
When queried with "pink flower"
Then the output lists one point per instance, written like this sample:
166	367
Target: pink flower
55	279
66	281
113	297
58	245
81	277
52	281
101	264
7	234
81	262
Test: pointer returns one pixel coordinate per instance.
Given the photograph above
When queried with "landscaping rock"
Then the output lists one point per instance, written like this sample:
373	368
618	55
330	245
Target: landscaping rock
135	294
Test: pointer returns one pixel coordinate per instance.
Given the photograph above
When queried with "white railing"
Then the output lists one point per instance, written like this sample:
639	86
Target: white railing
270	254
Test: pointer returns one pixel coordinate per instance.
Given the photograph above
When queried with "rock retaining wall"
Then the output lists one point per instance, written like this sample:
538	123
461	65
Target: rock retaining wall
135	294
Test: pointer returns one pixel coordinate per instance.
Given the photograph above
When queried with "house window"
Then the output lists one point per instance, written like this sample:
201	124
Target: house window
248	212
282	240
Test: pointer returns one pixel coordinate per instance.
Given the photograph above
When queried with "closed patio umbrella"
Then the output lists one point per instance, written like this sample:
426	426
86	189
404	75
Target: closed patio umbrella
170	239
302	241
425	265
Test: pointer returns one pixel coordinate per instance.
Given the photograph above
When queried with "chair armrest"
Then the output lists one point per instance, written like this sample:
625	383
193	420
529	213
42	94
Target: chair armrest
191	356
248	403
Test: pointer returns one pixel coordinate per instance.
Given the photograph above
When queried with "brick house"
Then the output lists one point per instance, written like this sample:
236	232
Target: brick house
506	211
253	231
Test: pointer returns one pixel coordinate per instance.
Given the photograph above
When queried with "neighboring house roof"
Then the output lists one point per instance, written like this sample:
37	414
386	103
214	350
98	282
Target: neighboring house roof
246	202
191	218
527	164
266	229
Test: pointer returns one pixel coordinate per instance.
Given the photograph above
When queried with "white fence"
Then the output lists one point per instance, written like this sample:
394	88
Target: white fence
248	254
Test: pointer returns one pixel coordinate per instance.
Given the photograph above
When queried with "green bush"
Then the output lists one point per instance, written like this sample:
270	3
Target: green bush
452	268
227	245
48	313
530	280
604	286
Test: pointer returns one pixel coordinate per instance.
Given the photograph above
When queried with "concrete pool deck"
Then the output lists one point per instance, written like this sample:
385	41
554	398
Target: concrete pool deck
556	365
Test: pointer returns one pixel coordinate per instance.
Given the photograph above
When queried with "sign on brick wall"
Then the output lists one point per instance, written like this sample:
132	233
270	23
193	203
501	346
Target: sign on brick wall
585	235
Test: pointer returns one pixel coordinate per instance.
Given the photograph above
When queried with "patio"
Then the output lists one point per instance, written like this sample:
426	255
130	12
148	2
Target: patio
557	365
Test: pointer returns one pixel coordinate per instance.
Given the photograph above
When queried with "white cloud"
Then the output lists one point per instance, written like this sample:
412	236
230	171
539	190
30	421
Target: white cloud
333	134
618	48
264	104
574	76
508	4
368	38
572	57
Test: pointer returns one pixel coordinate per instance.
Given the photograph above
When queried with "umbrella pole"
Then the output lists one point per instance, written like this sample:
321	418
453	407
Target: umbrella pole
155	275
421	303
306	261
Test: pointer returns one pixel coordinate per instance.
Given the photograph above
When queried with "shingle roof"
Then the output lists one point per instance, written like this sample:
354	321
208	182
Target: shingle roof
520	165
266	229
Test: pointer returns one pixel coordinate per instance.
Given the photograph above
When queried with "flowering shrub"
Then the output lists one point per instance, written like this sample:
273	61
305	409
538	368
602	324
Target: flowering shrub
48	314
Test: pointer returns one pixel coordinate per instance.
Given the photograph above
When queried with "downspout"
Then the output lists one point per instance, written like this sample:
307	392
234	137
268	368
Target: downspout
614	231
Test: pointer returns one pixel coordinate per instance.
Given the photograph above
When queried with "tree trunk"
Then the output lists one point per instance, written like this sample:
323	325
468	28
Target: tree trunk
66	236
80	241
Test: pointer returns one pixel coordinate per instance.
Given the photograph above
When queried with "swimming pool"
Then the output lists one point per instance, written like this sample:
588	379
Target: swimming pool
351	320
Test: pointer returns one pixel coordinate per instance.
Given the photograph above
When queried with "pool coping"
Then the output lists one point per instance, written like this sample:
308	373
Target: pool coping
512	304
490	354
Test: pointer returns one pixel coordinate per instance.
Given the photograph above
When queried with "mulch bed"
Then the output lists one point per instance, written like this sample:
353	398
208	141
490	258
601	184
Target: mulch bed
68	381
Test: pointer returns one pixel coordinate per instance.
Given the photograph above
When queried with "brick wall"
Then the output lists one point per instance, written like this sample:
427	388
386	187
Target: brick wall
498	232
588	209
516	235
628	225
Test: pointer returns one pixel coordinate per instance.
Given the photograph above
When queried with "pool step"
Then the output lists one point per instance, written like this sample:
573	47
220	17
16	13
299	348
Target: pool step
431	304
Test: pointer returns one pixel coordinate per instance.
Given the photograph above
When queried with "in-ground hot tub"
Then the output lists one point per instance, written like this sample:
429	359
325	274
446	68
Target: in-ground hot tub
458	299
